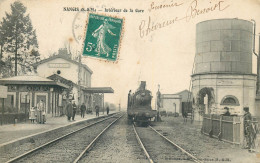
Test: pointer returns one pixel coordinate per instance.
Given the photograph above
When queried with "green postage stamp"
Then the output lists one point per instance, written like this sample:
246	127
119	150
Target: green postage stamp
103	37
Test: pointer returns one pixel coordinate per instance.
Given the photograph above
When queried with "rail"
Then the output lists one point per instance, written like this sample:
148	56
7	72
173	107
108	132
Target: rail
142	145
57	139
177	146
96	138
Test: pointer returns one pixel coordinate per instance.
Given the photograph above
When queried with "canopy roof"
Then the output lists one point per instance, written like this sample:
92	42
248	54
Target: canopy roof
99	90
30	79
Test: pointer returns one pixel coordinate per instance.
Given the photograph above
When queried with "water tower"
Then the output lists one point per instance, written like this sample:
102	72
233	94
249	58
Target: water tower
223	66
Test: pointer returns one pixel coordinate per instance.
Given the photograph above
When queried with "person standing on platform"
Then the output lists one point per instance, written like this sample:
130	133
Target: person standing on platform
74	110
107	110
82	110
97	111
69	110
248	127
41	113
32	115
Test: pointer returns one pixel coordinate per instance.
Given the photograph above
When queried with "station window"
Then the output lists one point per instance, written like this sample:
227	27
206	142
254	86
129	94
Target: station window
10	101
25	98
230	100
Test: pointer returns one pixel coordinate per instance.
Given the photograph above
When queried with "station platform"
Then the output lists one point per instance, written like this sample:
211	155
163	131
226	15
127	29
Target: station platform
15	132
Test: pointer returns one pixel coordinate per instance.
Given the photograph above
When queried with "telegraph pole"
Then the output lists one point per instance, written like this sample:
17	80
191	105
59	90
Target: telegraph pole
158	104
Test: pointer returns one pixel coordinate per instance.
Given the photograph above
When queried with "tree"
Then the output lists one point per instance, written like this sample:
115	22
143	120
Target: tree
18	39
5	64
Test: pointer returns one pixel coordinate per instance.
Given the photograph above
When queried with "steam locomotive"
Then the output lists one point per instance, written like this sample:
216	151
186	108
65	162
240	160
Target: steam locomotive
139	105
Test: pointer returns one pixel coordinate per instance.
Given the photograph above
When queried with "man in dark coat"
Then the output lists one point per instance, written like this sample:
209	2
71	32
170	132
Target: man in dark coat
74	110
107	110
248	127
69	110
82	110
97	110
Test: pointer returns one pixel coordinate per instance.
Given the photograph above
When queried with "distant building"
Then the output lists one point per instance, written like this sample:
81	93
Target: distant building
186	96
171	103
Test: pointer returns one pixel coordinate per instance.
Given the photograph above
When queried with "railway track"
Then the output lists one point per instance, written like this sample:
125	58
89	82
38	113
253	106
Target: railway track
70	147
117	145
159	148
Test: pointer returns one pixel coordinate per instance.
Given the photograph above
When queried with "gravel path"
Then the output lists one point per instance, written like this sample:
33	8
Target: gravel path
207	149
117	145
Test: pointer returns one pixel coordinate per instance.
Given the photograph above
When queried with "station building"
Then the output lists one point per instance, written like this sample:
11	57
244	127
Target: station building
59	79
61	67
223	67
26	91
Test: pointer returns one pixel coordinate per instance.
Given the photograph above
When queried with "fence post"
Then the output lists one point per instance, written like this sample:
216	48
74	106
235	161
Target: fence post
220	127
203	124
242	136
211	125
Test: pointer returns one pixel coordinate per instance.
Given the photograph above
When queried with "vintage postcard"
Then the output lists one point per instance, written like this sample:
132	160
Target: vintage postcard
130	81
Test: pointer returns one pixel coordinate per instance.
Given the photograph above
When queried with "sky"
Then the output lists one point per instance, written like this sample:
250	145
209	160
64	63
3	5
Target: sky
163	56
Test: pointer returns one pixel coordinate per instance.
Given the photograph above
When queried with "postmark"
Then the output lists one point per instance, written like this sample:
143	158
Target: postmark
78	26
103	37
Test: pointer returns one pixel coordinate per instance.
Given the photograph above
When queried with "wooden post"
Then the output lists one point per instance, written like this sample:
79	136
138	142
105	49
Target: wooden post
52	101
55	104
25	109
220	128
211	125
2	111
103	101
242	136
